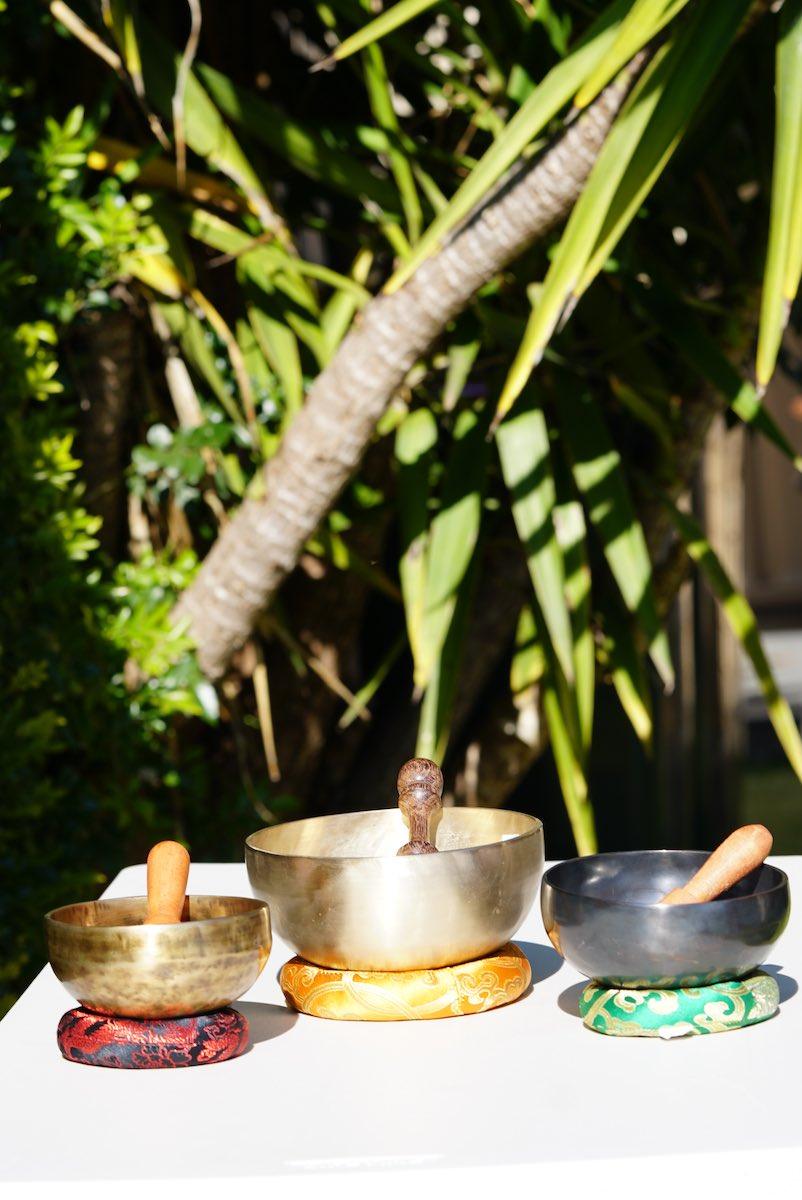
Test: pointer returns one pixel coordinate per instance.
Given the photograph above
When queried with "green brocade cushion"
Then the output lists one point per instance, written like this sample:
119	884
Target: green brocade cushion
712	1008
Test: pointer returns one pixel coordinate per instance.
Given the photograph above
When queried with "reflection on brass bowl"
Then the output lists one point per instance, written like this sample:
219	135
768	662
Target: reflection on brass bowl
342	898
112	963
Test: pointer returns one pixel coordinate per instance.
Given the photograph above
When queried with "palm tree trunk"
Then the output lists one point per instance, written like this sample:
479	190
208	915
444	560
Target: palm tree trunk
327	439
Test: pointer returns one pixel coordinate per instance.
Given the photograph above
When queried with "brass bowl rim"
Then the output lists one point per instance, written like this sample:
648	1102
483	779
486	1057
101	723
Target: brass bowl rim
53	917
779	885
537	825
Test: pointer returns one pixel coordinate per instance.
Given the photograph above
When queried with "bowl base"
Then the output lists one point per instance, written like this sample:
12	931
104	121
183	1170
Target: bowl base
678	1012
470	987
99	1040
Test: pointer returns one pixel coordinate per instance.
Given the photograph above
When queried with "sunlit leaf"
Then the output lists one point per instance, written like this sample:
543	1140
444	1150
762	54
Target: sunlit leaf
461	357
264	712
644	20
434	728
279	346
645	134
551	95
415	440
627	672
567	756
569	526
599	474
785	226
381	102
340	309
523	446
528	664
454	533
742	621
391	19
205	130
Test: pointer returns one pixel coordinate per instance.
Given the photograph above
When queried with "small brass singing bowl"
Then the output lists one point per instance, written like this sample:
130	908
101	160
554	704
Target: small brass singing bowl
342	897
112	963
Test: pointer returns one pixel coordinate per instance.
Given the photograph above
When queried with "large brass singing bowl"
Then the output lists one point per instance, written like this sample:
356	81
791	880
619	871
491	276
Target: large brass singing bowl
341	897
112	963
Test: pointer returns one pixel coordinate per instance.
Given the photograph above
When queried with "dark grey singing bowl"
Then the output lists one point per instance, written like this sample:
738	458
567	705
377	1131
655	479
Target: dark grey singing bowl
602	915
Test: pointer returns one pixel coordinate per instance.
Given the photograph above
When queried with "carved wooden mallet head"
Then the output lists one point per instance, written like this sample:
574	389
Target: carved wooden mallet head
420	791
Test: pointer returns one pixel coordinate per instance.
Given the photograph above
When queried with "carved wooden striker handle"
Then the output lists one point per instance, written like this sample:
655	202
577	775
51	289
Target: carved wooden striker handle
420	791
737	855
168	871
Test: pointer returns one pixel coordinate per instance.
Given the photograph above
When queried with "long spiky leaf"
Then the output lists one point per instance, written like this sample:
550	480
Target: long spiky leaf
523	447
599	474
641	141
742	621
785	226
551	95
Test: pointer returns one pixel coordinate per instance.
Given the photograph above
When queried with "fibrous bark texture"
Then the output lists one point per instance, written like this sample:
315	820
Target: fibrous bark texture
327	439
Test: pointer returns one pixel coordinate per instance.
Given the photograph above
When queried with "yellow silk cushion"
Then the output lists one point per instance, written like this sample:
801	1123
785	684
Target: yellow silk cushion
406	995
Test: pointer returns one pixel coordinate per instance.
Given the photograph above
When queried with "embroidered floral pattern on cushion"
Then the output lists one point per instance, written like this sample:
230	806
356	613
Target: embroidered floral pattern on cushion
407	995
713	1008
106	1041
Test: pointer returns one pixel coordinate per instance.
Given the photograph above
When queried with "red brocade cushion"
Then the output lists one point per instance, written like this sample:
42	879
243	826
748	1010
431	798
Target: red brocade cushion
105	1041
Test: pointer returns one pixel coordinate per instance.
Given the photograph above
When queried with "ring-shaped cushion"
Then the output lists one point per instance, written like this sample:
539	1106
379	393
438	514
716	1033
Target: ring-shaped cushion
470	987
668	1013
106	1041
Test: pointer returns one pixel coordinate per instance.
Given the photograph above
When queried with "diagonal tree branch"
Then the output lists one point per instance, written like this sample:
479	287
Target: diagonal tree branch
325	443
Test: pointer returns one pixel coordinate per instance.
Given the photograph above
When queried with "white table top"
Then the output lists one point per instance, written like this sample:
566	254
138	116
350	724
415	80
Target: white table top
521	1094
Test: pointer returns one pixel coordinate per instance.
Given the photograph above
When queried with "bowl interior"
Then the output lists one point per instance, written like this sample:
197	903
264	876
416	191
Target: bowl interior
379	834
644	877
127	911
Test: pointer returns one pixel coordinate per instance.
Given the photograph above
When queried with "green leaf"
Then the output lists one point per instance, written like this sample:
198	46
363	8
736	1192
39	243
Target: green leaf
330	544
461	357
573	783
391	19
438	701
338	313
569	525
280	347
268	264
379	94
679	325
302	147
117	17
644	136
743	623
191	335
785	226
567	758
627	672
552	94
696	57
523	447
644	20
529	660
416	438
599	475
369	689
454	533
205	130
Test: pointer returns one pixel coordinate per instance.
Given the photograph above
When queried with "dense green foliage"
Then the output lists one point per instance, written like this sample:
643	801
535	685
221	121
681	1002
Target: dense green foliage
86	779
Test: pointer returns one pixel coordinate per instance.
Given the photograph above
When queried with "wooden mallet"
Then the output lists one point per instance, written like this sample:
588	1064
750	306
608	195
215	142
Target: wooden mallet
168	871
737	855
